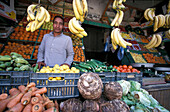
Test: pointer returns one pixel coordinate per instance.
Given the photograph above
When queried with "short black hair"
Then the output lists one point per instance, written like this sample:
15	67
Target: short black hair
58	17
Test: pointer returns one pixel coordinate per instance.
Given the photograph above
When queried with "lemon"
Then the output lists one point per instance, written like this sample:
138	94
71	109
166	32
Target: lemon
50	78
42	71
73	68
77	71
56	71
54	79
58	78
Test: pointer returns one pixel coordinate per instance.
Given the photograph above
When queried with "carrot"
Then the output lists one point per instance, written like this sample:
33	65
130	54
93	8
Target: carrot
14	91
34	100
14	101
37	107
52	109
56	105
22	88
50	104
17	108
39	97
28	108
26	98
40	91
32	84
3	103
33	89
3	96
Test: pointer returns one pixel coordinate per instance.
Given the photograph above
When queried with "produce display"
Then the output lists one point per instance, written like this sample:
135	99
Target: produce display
37	15
78	54
24	50
14	62
150	58
47	26
93	65
138	58
27	99
138	99
126	69
76	41
59	69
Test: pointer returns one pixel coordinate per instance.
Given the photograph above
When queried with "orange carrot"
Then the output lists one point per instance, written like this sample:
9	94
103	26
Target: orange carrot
33	89
3	103
50	104
17	108
40	91
37	107
14	91
3	96
22	88
34	100
28	108
52	109
39	97
14	101
26	98
32	84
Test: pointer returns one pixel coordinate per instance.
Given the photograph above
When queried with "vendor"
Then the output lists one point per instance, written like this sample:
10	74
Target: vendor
55	48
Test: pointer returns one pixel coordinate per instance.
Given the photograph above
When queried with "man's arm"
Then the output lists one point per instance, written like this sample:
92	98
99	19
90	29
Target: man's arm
70	52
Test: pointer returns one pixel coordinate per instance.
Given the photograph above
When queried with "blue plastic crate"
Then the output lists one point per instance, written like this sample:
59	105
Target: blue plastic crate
60	89
5	79
107	77
129	76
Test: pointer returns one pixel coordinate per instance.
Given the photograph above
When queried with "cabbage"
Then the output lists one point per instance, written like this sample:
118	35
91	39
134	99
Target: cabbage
160	108
153	100
144	91
125	86
128	101
135	86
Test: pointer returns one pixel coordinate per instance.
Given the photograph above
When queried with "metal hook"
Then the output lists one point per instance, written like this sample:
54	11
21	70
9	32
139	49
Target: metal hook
38	1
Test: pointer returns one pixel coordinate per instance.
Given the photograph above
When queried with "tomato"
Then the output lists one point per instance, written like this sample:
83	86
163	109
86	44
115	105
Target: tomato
120	66
125	66
114	66
128	70
133	70
117	68
130	67
138	71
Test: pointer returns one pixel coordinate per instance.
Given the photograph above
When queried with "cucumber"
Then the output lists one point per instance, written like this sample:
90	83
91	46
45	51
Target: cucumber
16	69
7	64
97	61
15	54
1	62
21	60
110	67
92	64
1	69
24	68
81	69
19	64
2	65
85	66
5	58
9	68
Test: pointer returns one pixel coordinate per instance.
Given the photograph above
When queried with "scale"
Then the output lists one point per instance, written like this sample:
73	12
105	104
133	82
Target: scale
152	73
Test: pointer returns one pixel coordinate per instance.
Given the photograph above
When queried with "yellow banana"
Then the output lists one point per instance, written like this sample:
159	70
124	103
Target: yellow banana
159	40
121	42
124	0
120	2
30	11
155	27
41	22
83	33
121	13
79	7
82	19
146	14
127	43
159	21
34	25
76	24
85	8
153	13
113	41
154	42
28	18
76	13
79	35
115	4
114	45
150	14
71	28
151	42
121	7
167	20
163	20
41	13
115	19
114	33
28	27
47	16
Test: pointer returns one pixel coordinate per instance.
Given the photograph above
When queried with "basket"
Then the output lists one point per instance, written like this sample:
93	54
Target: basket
5	82
107	77
64	88
129	76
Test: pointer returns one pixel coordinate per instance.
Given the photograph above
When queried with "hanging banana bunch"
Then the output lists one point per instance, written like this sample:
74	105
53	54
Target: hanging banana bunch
117	39
80	9
149	14
118	6
37	15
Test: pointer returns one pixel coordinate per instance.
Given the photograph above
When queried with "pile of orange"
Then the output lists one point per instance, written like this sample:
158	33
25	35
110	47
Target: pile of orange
24	50
35	52
21	34
150	58
78	54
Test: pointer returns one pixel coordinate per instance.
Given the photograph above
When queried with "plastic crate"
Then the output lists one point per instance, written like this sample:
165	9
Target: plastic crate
107	77
60	89
129	76
5	81
20	78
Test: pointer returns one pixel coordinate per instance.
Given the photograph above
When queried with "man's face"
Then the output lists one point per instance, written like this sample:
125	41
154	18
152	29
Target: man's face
58	25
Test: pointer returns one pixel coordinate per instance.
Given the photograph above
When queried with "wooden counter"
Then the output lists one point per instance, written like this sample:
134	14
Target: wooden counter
161	92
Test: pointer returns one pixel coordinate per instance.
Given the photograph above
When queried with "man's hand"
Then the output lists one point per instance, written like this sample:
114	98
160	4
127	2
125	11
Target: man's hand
41	64
65	64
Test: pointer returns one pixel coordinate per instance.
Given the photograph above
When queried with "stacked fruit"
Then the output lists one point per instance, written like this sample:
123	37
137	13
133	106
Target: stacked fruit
126	69
78	54
37	15
149	14
137	58
59	69
24	50
150	58
155	41
35	52
167	34
21	34
76	41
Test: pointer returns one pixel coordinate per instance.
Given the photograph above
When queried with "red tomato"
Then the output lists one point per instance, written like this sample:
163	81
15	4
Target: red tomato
130	67
133	70
120	66
138	71
125	66
128	70
114	66
117	68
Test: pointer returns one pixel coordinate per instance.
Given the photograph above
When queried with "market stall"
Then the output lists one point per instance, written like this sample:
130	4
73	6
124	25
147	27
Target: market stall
120	63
